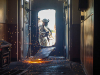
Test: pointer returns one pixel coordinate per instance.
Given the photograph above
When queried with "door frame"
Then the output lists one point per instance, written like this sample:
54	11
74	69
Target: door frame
29	28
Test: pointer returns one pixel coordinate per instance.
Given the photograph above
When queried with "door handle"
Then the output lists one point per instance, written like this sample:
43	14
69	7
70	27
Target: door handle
29	27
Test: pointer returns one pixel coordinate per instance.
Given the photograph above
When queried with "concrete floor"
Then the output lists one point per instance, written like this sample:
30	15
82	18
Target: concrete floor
56	66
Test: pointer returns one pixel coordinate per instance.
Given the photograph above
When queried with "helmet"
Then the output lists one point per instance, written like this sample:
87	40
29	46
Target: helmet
45	20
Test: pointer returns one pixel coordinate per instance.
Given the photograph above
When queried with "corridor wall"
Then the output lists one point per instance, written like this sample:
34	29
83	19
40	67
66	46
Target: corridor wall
87	38
3	25
74	32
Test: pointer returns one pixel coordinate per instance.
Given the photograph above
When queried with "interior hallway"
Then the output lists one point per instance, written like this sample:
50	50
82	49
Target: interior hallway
77	36
55	66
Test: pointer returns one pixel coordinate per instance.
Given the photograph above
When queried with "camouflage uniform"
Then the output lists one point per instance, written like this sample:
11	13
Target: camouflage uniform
42	36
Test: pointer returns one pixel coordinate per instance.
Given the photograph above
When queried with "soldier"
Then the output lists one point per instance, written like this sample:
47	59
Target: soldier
44	32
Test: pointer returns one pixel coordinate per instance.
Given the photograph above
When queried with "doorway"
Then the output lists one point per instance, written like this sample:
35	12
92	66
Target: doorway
32	10
59	40
48	14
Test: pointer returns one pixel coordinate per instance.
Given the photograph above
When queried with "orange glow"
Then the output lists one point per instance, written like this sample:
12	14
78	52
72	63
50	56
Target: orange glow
39	59
35	61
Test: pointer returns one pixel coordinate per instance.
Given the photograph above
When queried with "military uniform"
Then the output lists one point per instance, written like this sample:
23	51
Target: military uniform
42	36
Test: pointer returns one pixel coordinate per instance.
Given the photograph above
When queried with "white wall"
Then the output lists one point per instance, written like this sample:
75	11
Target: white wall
2	11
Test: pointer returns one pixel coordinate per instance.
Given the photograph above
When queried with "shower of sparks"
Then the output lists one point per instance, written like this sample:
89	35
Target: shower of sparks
31	60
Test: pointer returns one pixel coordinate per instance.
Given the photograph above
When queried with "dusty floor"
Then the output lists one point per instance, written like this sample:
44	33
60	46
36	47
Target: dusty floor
55	66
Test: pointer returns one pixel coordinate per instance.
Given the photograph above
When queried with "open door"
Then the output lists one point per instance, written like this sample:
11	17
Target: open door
50	40
26	28
58	42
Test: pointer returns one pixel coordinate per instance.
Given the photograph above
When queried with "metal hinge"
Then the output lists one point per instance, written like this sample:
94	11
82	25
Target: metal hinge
29	27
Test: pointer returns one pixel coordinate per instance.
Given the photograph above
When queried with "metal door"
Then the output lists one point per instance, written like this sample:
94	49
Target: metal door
26	28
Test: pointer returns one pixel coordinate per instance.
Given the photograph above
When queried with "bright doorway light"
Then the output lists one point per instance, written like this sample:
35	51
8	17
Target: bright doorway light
27	0
48	14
